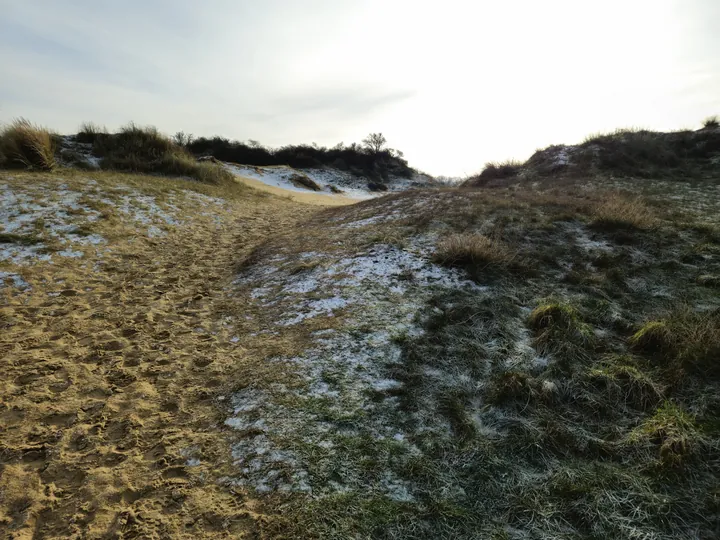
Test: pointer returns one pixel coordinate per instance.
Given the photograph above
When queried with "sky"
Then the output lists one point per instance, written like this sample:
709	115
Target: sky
452	84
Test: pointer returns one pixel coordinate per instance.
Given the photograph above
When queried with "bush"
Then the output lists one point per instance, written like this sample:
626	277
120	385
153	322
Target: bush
302	181
495	171
24	145
711	122
353	158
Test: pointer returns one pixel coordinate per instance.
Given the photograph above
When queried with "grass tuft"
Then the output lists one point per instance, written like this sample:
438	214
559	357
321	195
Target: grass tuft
473	250
683	342
560	331
620	377
90	132
19	239
618	212
672	431
653	337
25	145
512	386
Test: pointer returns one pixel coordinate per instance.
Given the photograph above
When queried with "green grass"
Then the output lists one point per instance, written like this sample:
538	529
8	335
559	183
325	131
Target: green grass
685	341
672	432
559	331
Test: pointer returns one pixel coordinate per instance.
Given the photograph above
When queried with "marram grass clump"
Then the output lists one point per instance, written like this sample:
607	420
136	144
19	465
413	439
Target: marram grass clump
560	332
652	337
683	342
624	381
619	212
27	146
672	431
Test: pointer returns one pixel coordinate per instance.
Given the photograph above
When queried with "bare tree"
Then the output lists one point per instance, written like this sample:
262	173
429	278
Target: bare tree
375	142
183	139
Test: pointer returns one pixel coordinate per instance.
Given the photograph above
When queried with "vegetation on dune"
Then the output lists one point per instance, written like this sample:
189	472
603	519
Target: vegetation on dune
618	212
550	407
630	153
495	171
711	122
146	150
27	146
475	250
371	159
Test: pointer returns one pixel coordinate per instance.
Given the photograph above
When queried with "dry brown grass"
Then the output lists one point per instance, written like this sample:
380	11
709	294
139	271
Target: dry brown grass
28	146
473	249
620	212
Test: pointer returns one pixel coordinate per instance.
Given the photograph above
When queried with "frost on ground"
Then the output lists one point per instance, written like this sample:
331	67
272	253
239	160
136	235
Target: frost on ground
315	437
16	280
350	185
40	220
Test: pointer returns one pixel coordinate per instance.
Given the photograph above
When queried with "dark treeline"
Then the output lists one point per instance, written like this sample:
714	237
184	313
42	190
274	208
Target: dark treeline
375	162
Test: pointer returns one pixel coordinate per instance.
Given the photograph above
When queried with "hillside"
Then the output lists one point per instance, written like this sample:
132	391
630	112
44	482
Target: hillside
625	153
186	356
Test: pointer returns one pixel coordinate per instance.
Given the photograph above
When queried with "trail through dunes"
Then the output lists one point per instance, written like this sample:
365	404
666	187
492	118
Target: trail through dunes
110	360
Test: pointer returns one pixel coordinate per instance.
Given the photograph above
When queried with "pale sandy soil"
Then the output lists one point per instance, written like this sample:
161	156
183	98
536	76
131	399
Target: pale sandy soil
111	362
324	199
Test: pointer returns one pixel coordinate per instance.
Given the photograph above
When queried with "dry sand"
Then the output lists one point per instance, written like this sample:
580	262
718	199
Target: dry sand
322	199
107	384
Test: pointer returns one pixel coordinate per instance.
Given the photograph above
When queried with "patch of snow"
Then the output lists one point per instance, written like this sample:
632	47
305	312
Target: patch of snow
70	253
16	280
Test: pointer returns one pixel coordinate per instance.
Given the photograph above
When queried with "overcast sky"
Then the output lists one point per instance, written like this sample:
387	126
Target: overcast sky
451	83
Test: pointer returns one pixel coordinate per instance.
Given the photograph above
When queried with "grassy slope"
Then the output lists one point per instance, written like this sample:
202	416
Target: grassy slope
580	389
569	415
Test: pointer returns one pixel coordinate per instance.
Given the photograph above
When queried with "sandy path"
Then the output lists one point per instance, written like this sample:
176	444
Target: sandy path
323	199
107	386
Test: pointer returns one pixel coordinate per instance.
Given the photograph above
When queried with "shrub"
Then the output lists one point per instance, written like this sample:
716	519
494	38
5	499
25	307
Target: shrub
495	171
24	145
377	186
353	158
300	180
618	212
711	122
